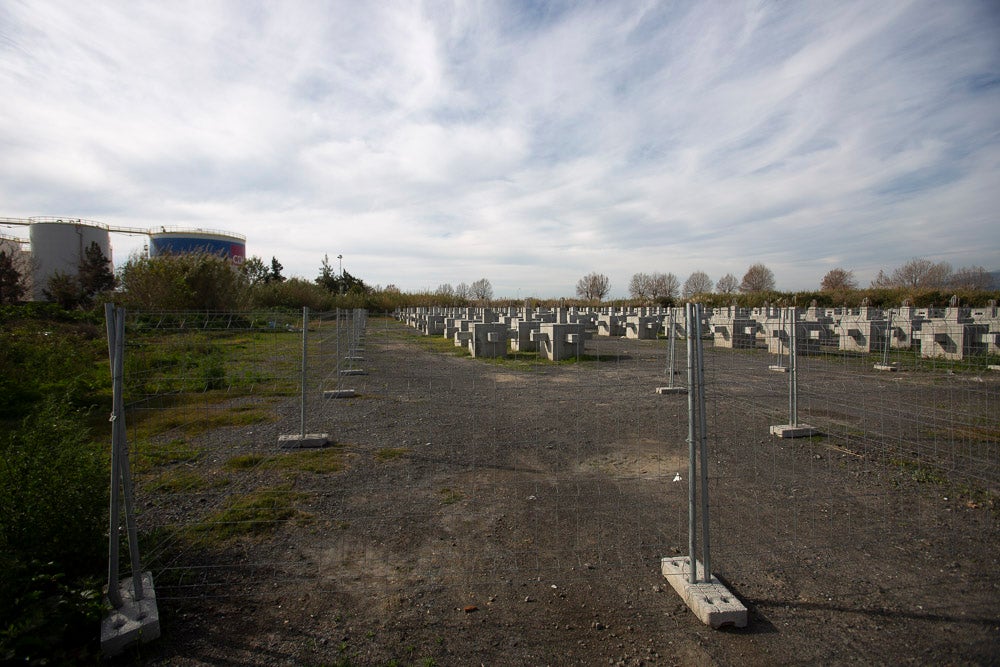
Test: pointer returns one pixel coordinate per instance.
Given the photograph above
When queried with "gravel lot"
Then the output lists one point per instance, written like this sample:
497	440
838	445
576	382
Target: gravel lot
516	513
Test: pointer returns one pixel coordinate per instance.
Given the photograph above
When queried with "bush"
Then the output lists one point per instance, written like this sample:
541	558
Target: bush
293	293
41	354
53	498
195	281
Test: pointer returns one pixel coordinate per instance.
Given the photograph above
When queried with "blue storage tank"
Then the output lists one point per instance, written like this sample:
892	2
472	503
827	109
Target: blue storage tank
180	241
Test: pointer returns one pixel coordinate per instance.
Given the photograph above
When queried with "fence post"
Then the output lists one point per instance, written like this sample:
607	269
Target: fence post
134	616
671	346
707	597
793	429
305	366
703	448
690	314
697	446
303	439
793	367
887	344
121	477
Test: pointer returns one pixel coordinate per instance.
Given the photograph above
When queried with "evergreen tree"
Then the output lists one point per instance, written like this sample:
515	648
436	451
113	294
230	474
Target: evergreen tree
94	273
327	278
63	289
11	282
255	271
276	268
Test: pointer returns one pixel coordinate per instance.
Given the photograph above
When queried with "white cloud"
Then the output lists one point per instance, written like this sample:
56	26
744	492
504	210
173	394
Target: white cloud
527	144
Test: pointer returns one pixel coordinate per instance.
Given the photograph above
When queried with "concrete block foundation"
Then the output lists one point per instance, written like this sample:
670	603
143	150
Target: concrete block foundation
138	621
307	441
710	601
339	393
793	431
560	341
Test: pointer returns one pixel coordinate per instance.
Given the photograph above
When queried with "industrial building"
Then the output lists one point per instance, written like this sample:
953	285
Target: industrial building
58	245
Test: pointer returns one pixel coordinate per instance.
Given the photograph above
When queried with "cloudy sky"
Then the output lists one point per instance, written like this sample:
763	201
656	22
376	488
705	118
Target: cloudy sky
525	142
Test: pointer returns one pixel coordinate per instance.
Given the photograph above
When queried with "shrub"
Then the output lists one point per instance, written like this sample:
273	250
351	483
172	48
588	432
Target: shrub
293	293
53	496
42	355
194	281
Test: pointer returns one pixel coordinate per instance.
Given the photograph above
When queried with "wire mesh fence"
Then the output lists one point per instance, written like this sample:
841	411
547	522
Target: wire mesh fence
463	482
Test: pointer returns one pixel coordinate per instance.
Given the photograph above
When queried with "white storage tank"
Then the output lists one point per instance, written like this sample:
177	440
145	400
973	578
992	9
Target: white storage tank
58	245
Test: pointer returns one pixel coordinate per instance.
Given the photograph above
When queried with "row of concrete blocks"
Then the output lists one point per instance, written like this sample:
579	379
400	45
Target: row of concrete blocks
555	341
951	333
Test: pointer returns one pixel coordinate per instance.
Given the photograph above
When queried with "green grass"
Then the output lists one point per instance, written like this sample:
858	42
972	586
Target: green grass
391	453
320	461
177	450
440	344
193	418
244	461
450	496
919	472
925	474
193	361
253	514
183	480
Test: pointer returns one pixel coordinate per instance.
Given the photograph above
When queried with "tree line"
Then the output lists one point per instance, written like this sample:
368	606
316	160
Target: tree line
665	288
202	281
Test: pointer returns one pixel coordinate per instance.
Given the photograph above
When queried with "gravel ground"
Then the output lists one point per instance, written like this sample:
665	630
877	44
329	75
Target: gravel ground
516	514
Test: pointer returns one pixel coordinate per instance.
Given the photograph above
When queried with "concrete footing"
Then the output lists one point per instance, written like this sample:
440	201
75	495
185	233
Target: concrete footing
993	367
353	371
138	621
339	393
710	601
777	368
886	367
307	441
671	390
793	431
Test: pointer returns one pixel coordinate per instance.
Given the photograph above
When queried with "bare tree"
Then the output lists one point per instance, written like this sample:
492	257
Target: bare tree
481	290
838	279
639	286
916	273
697	283
758	278
653	286
445	289
727	284
463	291
972	277
664	285
593	286
882	281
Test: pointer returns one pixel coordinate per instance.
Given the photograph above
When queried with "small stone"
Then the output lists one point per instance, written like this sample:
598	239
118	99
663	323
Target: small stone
471	608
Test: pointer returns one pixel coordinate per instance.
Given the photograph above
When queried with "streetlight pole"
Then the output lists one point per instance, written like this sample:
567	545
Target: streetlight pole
340	265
